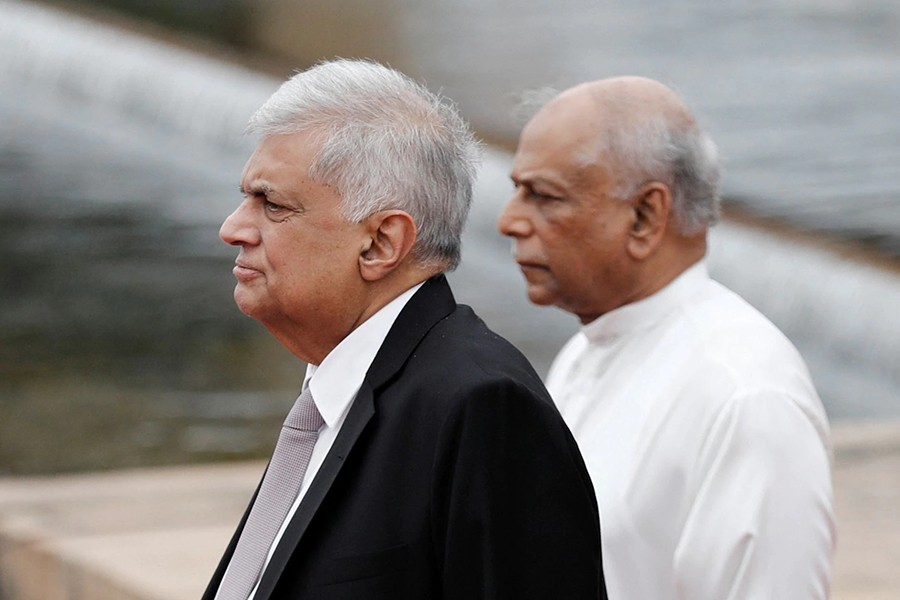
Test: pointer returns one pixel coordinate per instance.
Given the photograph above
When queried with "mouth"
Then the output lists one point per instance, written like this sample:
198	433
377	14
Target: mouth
529	264
533	272
244	272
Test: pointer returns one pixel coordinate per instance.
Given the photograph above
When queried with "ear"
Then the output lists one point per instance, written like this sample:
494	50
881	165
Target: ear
391	235
651	212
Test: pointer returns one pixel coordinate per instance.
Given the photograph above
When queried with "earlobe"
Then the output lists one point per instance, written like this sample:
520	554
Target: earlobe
391	235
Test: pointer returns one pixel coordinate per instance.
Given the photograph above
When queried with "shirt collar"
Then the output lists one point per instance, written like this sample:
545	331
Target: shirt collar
335	382
647	312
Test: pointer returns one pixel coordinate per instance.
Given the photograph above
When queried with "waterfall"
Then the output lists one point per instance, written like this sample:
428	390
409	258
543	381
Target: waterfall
843	315
139	78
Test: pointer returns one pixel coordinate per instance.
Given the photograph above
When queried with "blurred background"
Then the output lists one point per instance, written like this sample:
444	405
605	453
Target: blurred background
121	149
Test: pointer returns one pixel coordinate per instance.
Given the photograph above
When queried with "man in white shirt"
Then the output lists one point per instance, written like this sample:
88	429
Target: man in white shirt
423	459
700	426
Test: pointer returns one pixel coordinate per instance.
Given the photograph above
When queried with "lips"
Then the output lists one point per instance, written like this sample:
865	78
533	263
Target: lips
244	271
529	264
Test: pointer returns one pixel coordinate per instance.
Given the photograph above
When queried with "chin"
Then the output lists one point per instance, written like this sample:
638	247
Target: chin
247	310
540	297
246	303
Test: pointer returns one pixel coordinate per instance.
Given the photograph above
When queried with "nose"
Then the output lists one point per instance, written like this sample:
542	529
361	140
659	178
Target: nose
513	221
238	228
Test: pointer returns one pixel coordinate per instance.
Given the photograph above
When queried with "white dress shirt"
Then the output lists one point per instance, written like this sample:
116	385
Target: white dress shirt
334	384
707	445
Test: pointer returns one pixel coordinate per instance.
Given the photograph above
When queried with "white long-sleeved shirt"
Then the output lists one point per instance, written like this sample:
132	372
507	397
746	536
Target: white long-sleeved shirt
707	445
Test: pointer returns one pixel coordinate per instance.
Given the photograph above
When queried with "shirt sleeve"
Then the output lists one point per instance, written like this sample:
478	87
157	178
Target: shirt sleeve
514	510
762	524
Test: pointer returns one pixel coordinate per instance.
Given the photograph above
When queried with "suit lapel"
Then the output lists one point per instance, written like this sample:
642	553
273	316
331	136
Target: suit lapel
431	303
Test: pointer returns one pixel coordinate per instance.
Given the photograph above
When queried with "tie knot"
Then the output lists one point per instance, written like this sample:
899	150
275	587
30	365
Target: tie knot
304	415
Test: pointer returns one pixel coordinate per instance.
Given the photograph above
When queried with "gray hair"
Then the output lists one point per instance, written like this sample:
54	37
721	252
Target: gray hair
655	148
683	157
387	142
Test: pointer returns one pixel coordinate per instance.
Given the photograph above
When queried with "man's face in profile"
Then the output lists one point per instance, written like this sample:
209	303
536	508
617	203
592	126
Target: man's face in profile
569	229
298	257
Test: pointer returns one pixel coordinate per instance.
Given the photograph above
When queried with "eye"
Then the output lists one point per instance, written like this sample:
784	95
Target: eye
533	192
276	212
541	197
271	207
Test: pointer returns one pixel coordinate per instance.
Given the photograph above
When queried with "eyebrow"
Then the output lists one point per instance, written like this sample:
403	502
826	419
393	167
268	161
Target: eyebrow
537	180
257	188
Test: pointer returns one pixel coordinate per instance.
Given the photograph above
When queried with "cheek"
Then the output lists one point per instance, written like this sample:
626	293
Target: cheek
289	263
575	257
561	245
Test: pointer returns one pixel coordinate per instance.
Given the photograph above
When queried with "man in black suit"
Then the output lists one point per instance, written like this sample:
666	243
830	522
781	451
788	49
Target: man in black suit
424	458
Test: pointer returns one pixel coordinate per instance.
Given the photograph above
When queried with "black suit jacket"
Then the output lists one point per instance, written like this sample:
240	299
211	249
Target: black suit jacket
453	477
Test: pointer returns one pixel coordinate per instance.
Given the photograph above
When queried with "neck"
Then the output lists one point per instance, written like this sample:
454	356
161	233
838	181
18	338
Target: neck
679	255
312	340
383	291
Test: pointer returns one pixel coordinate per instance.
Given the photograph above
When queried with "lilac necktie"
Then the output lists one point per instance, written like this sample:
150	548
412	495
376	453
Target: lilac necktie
277	494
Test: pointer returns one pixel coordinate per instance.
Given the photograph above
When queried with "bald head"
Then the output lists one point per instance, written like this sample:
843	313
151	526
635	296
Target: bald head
635	98
640	130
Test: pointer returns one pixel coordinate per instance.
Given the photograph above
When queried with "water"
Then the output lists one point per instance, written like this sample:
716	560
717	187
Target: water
803	96
119	341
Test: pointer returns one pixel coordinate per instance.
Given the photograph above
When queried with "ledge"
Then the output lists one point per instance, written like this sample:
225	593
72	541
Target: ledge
157	534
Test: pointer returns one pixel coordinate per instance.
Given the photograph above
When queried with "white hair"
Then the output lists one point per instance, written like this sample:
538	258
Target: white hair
387	142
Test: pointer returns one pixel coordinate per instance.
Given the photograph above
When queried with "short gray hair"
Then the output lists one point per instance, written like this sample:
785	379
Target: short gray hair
387	143
683	157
